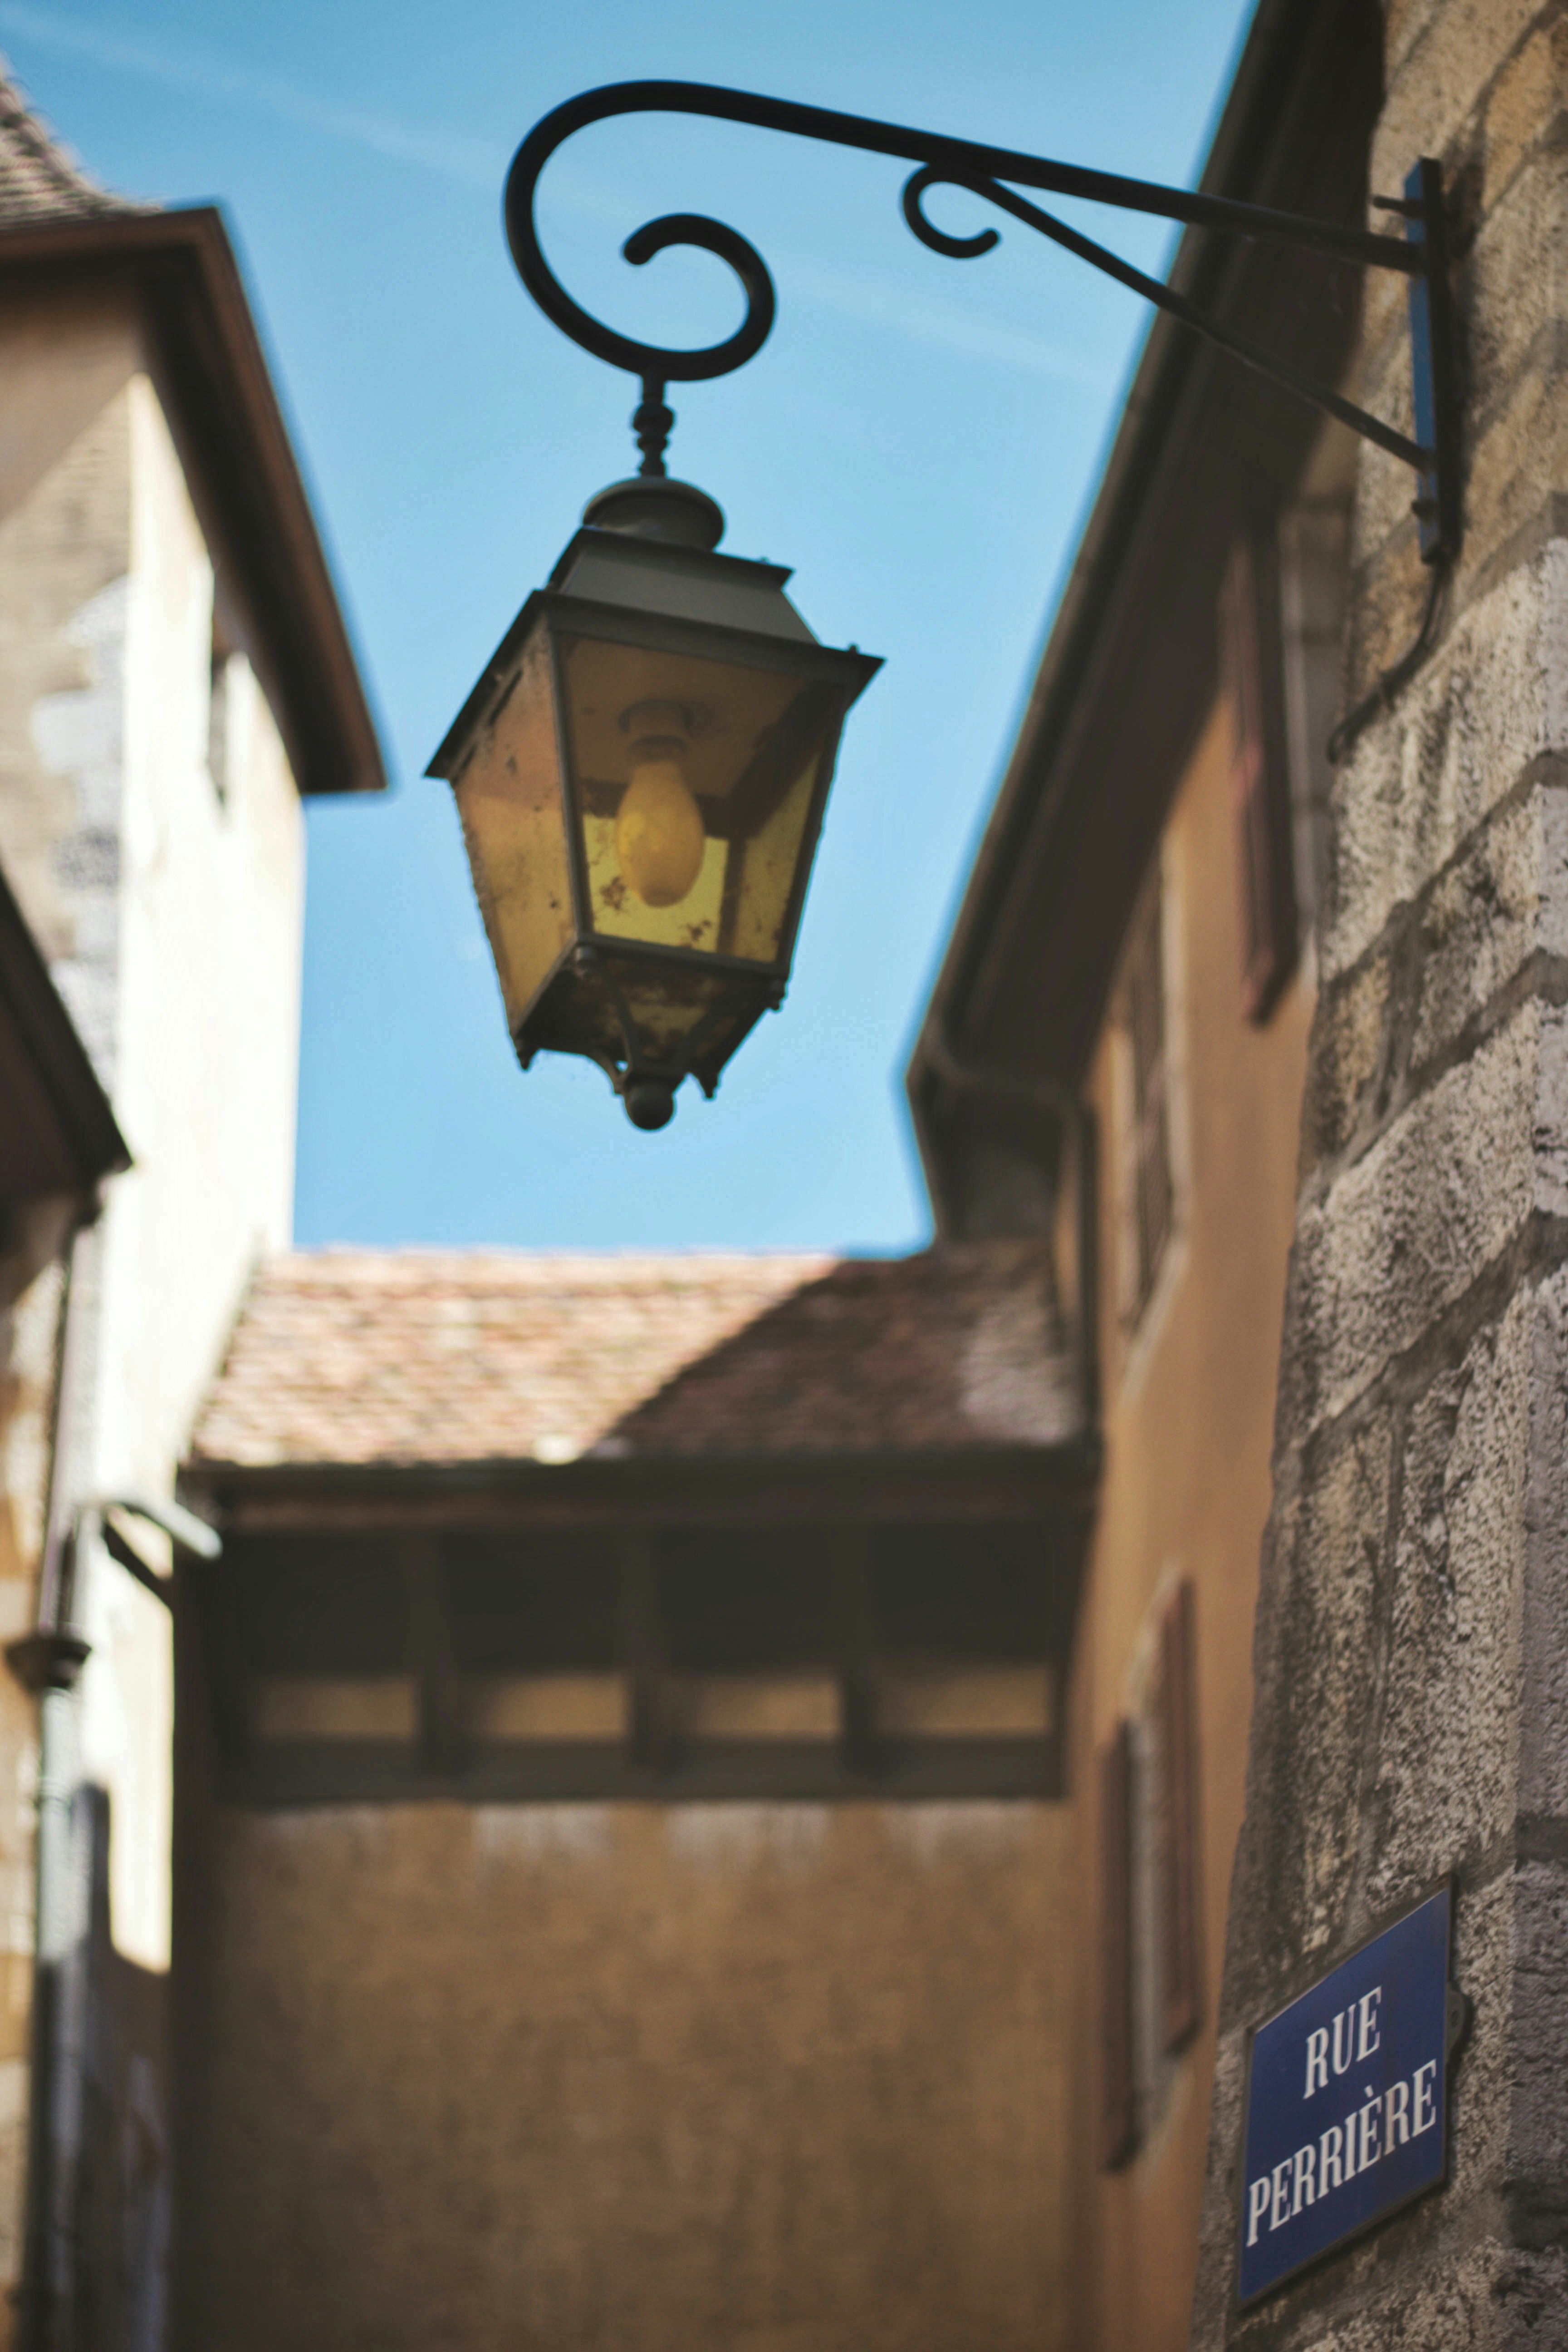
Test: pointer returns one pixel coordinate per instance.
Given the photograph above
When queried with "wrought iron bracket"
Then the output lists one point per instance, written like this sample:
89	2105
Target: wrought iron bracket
1422	255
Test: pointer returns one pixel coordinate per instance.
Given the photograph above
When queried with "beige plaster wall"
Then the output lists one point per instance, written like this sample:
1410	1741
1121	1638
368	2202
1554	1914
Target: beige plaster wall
755	2078
172	918
206	1012
1189	1406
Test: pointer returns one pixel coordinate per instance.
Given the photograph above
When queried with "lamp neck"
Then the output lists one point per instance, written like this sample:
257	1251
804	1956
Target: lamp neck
651	422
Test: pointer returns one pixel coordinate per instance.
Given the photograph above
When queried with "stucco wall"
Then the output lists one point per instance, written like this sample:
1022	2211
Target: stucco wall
753	2078
210	906
1188	1407
172	917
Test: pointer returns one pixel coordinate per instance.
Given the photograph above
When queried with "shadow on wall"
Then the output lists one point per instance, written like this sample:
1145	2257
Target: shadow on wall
98	2141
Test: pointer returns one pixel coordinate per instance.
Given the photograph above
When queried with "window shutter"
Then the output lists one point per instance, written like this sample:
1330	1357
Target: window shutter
1145	1003
1117	2116
1252	679
1180	1985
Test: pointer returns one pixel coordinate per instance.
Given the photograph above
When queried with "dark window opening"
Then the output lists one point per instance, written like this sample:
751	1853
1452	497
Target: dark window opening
1118	2115
1253	679
1151	1960
1175	1743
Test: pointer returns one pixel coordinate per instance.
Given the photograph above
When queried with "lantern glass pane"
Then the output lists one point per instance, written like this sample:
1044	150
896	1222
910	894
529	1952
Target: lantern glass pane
509	798
694	783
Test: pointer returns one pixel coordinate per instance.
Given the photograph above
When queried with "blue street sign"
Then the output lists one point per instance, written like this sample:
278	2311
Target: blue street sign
1347	2099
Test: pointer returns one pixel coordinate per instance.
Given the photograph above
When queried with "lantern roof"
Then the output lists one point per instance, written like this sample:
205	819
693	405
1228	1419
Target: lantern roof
620	568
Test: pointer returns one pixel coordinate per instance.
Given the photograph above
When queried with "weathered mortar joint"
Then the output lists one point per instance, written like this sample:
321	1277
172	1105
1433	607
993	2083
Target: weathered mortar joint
1535	1252
1389	609
1538	1837
1395	1080
1523	546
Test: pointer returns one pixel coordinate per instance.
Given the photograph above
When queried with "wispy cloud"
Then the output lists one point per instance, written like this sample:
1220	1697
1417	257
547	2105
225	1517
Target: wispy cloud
925	318
178	66
476	162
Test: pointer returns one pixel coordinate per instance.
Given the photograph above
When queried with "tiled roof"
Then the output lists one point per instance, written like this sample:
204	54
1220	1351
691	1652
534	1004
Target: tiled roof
38	180
410	1357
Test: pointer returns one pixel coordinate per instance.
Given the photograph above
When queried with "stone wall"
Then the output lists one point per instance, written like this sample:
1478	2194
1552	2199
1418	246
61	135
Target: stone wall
1411	1710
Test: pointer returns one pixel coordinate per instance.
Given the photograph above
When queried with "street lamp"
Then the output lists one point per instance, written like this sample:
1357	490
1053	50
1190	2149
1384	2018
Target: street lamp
640	775
641	769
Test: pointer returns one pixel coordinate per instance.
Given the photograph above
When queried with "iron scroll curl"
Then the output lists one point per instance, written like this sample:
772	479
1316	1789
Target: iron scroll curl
961	162
655	364
986	172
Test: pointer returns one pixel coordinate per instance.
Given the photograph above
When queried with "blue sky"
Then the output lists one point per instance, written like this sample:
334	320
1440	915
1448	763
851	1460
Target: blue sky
918	439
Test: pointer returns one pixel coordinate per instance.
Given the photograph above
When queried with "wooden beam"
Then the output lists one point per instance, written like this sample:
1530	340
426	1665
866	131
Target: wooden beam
645	1653
442	1697
914	1491
859	1734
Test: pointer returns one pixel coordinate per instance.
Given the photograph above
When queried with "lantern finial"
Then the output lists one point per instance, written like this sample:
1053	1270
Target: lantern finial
653	506
651	422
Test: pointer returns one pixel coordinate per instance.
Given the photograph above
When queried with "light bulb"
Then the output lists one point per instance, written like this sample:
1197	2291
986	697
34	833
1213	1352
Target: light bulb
659	839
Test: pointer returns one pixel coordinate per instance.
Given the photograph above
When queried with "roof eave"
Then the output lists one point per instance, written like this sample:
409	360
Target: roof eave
1060	1473
1171	363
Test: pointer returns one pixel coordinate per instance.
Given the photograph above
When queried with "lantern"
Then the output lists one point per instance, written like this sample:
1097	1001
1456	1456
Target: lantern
640	774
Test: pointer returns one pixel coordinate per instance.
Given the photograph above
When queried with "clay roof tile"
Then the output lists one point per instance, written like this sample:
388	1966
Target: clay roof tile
40	179
365	1357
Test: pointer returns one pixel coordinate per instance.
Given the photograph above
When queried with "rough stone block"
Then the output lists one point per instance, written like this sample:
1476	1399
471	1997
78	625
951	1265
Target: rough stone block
1481	2083
1513	457
1483	2298
1524	102
1434	87
1404	21
1544	1698
1318	1653
1503	903
1493	697
1216	2256
1515	285
1394	589
1403	1233
1446	1767
1537	2075
1348	1058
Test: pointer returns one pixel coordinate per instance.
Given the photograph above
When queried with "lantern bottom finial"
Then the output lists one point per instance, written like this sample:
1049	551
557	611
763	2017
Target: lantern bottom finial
650	1103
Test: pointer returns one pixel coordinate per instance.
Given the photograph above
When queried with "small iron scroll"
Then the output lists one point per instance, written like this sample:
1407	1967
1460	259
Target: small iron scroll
984	172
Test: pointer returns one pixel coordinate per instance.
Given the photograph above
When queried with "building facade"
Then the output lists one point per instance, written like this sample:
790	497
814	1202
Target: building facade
1138	950
760	1801
621	1858
173	672
1271	1761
